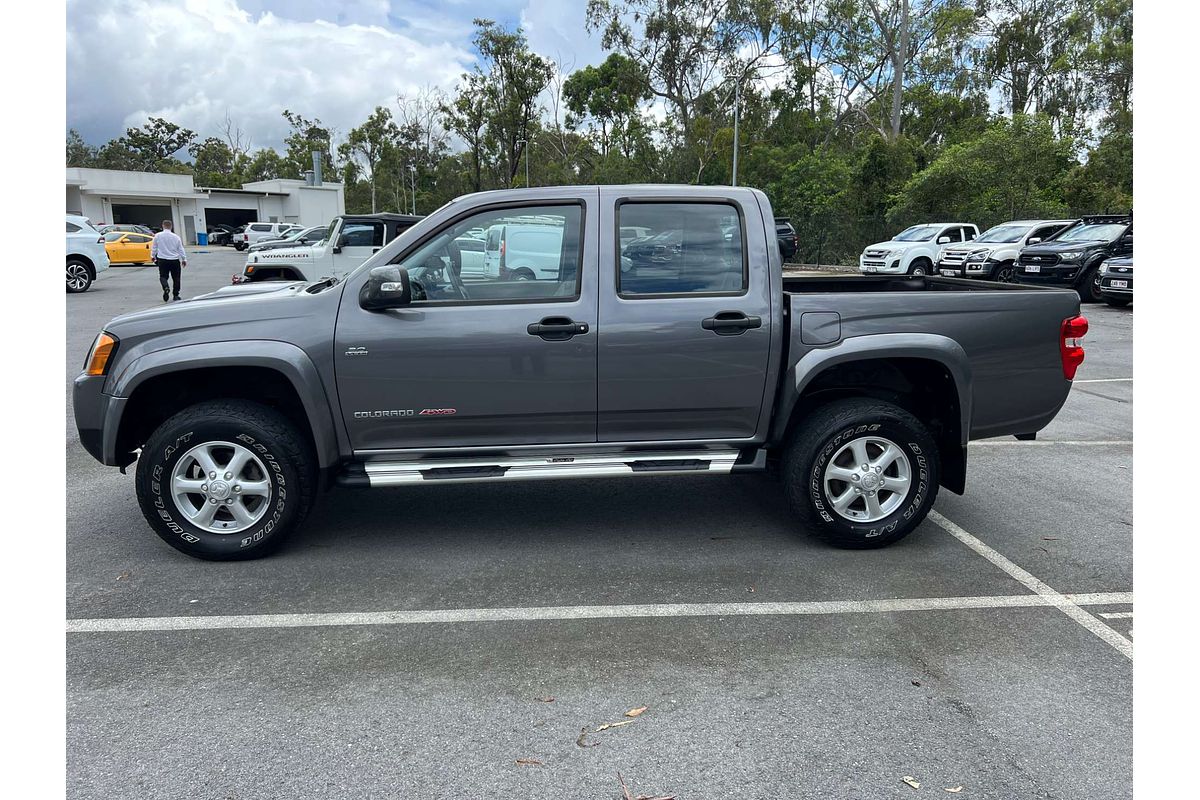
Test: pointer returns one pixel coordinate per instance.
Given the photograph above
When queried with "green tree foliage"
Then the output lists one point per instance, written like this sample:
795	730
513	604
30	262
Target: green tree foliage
213	164
79	152
611	95
153	146
307	135
368	143
1015	170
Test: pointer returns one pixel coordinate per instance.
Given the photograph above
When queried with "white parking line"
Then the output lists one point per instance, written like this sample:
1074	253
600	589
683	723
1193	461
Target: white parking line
544	613
1063	603
1048	442
1106	380
1117	615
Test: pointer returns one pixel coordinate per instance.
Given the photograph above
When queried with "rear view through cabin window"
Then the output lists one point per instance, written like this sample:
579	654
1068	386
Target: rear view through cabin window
688	248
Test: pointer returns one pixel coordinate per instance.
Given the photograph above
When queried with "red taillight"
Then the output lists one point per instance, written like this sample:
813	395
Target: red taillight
1071	344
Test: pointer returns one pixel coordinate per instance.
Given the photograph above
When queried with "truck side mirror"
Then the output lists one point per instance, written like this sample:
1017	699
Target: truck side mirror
341	242
1034	240
386	287
943	240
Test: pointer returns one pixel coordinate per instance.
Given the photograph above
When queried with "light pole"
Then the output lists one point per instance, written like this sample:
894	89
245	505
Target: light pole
412	168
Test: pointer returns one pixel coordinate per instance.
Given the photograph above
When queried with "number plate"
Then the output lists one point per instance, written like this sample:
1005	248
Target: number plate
868	269
1119	284
950	273
1033	267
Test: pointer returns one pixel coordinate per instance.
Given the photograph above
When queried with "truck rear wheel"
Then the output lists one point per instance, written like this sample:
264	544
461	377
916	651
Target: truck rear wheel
225	480
861	473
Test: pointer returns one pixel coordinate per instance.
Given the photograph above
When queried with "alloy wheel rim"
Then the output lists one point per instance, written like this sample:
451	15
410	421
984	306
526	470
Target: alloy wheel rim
867	479
221	487
77	276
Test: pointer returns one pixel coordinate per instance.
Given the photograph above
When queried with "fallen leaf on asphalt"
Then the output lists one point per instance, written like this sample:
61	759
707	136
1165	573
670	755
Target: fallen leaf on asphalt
608	725
124	576
751	589
916	682
1049	538
955	790
911	781
582	737
655	797
545	699
529	762
636	712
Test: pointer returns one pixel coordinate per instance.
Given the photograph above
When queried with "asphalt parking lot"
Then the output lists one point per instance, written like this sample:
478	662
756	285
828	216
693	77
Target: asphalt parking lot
989	650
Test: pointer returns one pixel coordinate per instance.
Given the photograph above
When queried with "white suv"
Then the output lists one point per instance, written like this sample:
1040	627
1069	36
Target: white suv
86	256
915	250
255	232
992	255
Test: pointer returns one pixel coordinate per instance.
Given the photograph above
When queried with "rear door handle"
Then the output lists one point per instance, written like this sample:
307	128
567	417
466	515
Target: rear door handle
730	323
557	329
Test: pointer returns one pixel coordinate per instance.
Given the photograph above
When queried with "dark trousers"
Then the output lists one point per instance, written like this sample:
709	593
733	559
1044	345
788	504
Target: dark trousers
169	267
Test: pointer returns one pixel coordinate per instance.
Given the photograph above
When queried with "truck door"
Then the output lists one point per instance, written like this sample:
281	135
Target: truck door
357	241
685	330
485	362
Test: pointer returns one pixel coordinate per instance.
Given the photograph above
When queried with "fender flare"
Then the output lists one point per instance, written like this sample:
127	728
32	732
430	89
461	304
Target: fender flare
285	358
928	346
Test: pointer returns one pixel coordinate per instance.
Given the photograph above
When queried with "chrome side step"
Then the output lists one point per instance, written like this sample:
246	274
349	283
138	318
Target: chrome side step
403	473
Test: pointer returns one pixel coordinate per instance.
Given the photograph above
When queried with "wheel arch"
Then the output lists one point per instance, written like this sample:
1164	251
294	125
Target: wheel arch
277	374
926	374
86	262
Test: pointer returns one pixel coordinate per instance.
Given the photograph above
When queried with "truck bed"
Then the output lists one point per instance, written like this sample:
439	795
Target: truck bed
1006	335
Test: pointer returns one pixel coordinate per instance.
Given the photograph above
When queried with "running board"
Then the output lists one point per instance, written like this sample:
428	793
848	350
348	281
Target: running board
403	473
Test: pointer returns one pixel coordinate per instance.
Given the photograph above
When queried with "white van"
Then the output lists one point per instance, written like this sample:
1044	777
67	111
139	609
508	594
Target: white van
522	251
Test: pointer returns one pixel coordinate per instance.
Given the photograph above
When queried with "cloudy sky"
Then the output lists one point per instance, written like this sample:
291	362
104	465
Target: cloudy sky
193	61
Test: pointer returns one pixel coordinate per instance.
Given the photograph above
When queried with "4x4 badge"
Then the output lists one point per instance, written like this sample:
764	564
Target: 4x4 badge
356	351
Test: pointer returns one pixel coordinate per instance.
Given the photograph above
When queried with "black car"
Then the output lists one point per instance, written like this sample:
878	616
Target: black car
1116	281
1073	256
789	243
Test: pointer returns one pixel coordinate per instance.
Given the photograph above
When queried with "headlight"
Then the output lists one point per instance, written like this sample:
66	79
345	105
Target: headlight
1074	254
101	354
1104	268
978	255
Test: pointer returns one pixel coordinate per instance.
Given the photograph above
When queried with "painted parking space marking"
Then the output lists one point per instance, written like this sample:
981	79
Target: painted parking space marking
1105	380
1063	603
1049	442
1117	614
559	613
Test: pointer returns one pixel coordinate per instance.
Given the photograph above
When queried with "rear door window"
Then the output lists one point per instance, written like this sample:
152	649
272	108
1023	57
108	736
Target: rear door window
363	234
699	249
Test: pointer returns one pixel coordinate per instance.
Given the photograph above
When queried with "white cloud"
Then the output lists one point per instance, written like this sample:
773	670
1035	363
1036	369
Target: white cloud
557	30
189	63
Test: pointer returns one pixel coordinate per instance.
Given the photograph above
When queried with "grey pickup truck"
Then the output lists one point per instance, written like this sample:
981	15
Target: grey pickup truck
574	354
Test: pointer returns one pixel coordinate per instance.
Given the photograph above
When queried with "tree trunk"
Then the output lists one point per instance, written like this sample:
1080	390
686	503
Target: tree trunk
899	61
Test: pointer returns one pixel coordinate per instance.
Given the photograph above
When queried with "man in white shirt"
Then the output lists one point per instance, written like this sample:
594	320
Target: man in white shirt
167	251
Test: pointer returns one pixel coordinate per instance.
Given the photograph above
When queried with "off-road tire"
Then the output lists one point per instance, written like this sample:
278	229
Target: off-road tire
1089	287
286	454
819	437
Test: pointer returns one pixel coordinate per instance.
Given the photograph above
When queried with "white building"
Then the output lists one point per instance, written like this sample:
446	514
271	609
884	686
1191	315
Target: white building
147	198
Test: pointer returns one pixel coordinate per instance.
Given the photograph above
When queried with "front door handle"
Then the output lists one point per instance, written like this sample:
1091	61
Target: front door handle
730	323
557	329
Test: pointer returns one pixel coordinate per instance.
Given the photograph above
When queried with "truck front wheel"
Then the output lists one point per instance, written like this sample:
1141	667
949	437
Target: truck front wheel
225	480
861	473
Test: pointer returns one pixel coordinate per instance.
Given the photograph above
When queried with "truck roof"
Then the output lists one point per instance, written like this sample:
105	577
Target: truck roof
386	216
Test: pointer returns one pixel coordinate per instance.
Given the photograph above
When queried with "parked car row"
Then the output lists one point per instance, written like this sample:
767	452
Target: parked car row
1063	252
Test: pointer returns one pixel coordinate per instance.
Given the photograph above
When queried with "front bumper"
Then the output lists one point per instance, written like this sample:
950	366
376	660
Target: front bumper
1107	288
97	418
1066	275
871	266
980	270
